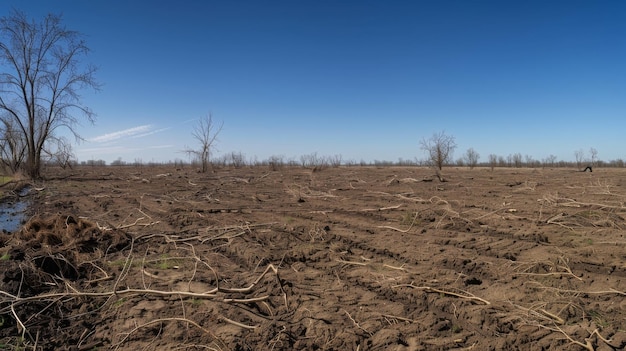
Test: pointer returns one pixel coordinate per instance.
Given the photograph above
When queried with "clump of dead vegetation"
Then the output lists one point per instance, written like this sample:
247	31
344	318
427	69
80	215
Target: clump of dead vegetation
62	267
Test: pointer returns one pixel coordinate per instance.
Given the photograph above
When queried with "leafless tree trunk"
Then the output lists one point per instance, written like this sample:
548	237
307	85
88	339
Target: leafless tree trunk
439	148
205	132
580	156
517	160
493	161
594	156
471	158
41	76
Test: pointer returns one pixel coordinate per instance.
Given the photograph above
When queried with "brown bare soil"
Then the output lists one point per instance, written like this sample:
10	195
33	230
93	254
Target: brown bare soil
355	258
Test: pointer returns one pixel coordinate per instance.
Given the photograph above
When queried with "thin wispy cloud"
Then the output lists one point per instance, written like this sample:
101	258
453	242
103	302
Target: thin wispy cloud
151	132
101	150
130	132
120	149
127	142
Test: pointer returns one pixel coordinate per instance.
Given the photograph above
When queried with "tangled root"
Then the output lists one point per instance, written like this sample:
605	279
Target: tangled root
67	232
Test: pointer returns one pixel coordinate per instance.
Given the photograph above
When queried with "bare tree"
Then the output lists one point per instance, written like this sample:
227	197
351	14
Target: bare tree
335	160
41	75
60	152
312	160
502	162
440	148
205	132
517	160
493	161
594	156
580	156
530	162
276	162
549	161
471	157
12	147
237	159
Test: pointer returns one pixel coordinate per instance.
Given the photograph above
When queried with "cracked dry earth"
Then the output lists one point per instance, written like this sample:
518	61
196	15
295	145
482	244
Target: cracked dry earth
349	258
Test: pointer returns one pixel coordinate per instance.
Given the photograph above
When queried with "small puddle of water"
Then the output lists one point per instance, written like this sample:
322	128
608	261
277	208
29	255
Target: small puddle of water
14	211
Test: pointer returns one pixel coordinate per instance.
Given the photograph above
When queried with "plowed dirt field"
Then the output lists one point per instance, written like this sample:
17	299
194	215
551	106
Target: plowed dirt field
354	258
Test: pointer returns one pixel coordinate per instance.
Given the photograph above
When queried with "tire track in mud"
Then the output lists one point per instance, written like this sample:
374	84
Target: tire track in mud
440	317
406	303
313	262
368	236
374	300
309	257
474	251
440	322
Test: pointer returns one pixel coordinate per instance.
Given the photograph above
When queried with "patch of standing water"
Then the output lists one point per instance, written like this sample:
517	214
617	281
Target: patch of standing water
14	210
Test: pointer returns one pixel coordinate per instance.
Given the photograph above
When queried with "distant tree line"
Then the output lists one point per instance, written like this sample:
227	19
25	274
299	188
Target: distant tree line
315	161
439	149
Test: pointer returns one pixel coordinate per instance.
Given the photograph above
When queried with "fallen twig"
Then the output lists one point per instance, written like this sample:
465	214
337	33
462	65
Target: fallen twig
381	208
357	324
404	319
400	230
228	320
469	296
137	223
587	345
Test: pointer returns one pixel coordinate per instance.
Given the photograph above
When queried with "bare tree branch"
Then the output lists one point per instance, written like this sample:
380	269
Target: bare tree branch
42	74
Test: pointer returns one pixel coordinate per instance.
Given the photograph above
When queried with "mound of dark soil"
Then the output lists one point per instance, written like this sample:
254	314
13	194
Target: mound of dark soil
42	259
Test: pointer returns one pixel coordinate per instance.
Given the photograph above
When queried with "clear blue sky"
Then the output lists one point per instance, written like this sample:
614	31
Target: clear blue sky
364	79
